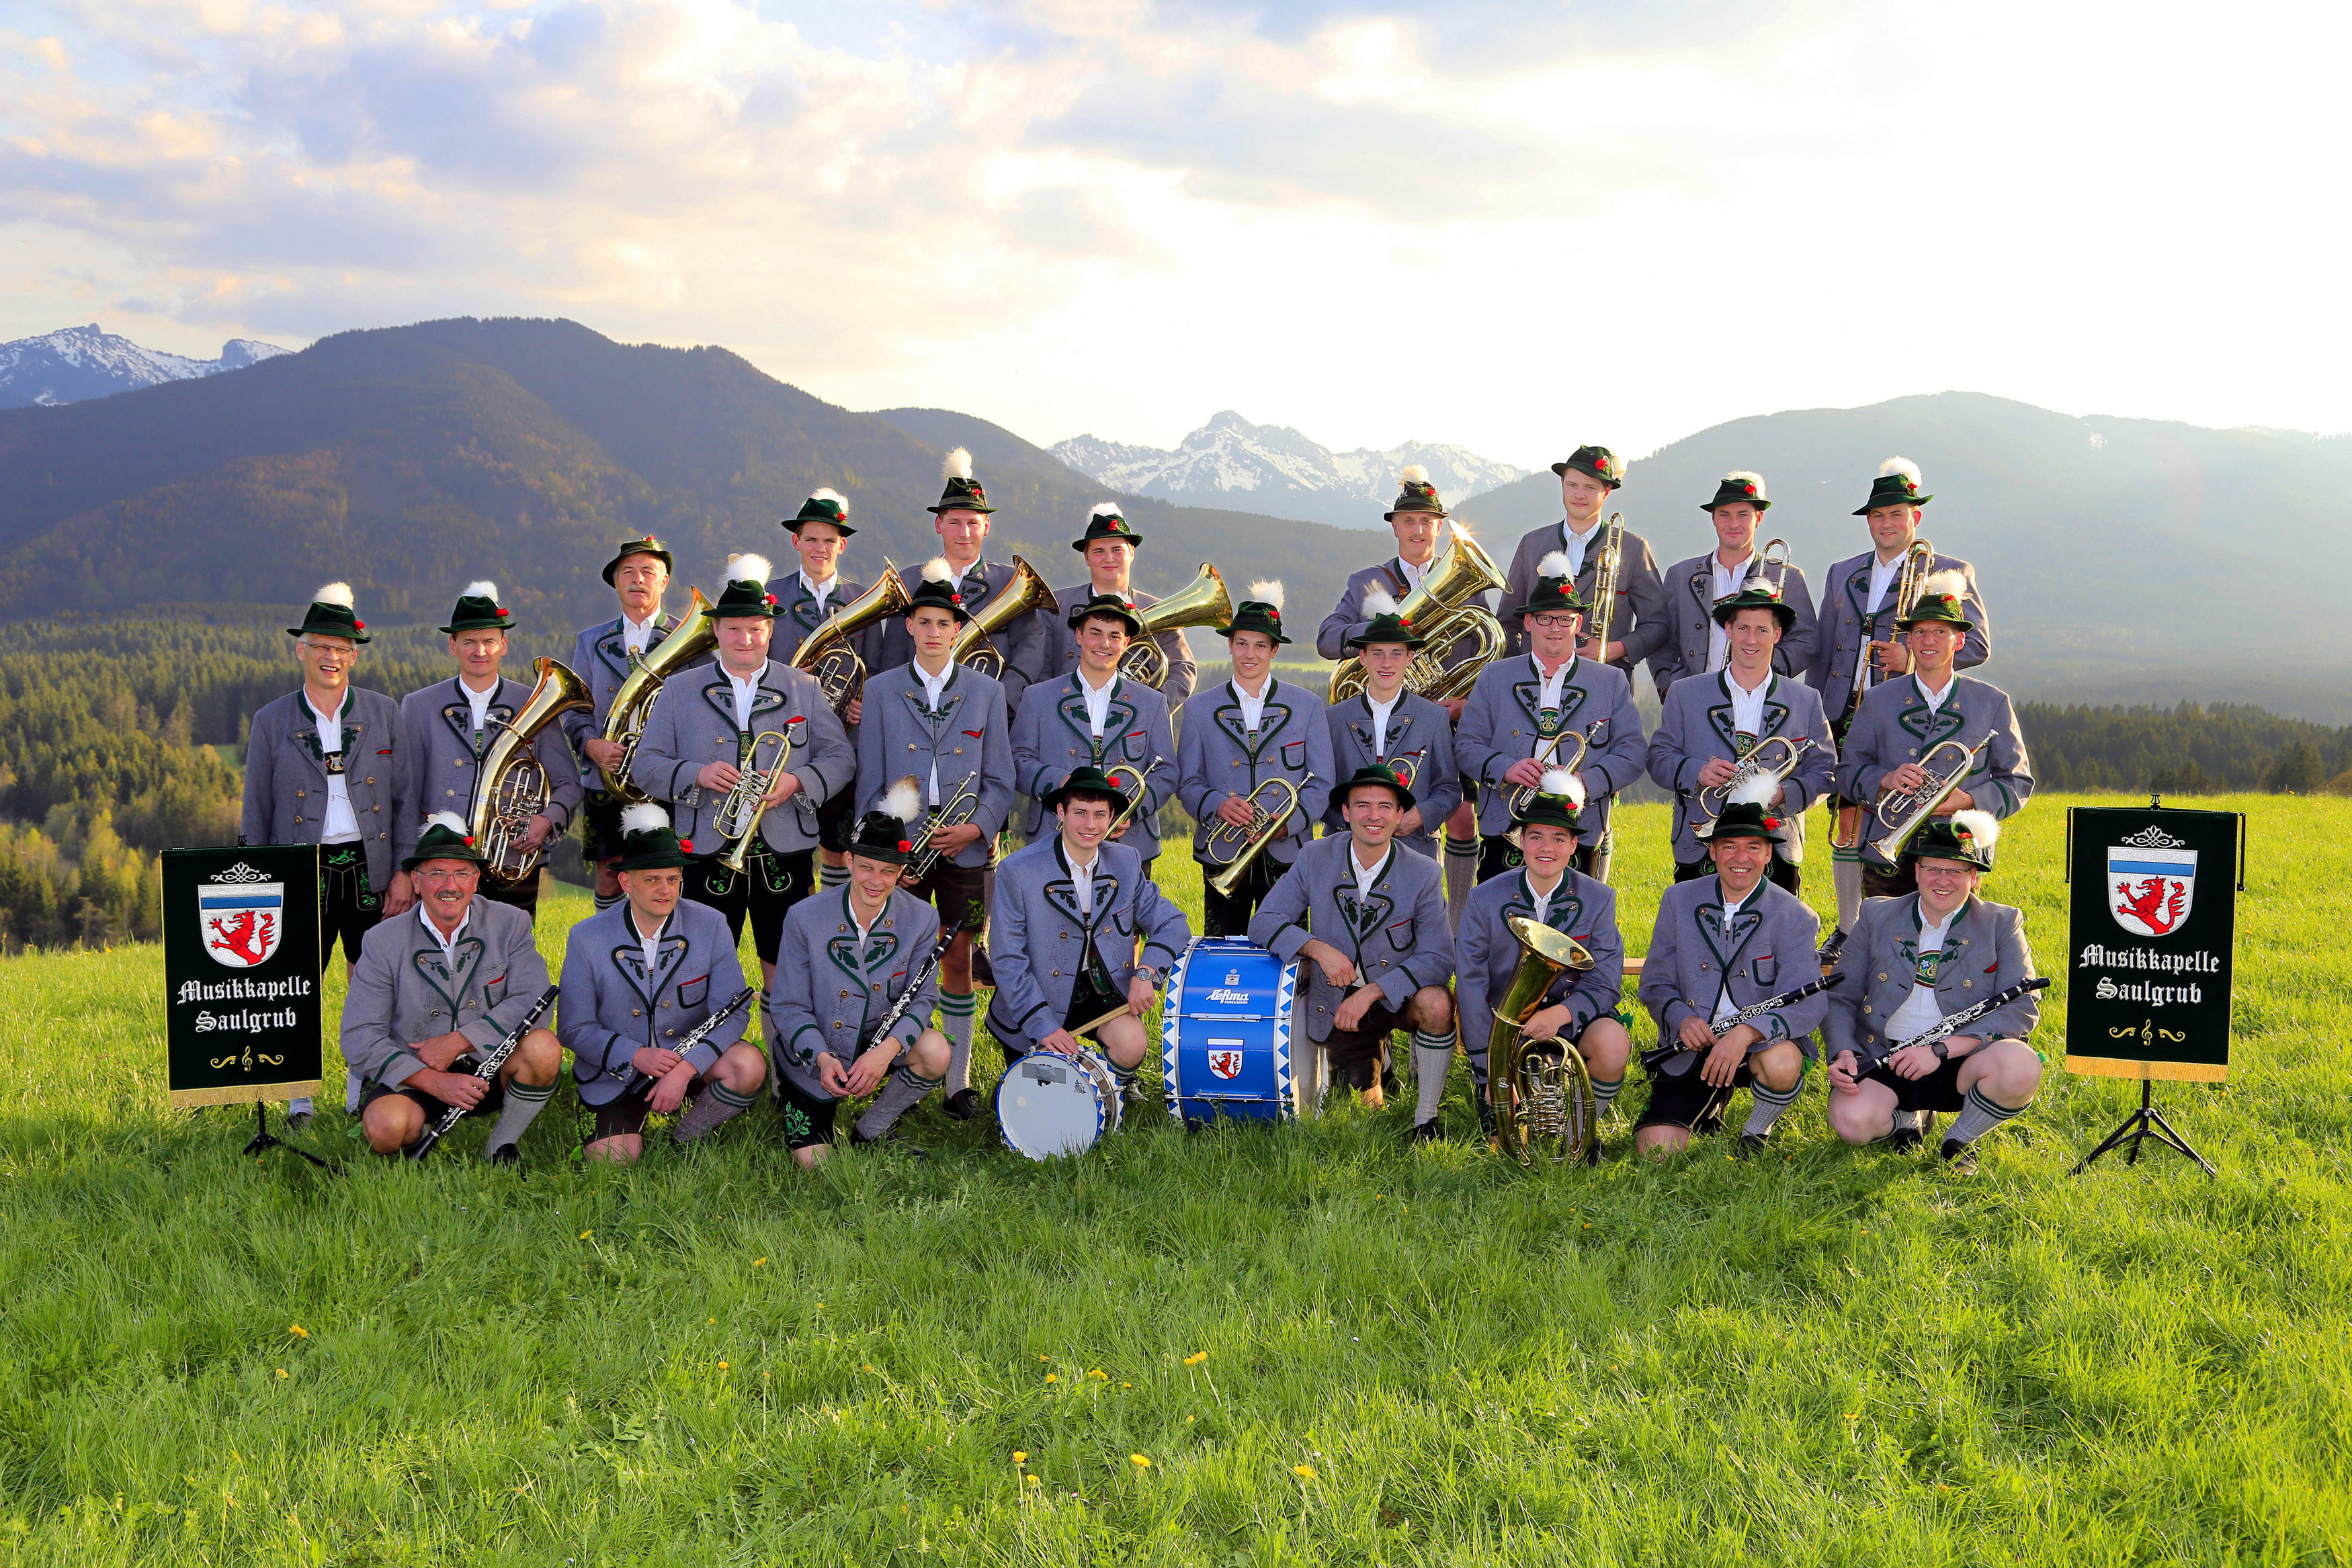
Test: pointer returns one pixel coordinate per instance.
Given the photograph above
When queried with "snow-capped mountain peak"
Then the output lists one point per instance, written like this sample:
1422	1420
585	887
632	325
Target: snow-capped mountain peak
75	363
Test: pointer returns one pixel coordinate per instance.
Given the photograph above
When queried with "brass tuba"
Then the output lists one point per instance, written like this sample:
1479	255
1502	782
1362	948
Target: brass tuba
1543	1096
625	722
827	652
1441	612
1202	601
510	787
1236	849
975	646
1899	814
1606	576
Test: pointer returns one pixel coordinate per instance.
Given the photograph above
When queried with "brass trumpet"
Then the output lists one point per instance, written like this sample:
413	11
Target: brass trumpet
955	811
975	647
510	787
1544	1108
828	654
1131	800
1899	814
1202	601
737	821
1236	849
625	721
1709	800
1440	611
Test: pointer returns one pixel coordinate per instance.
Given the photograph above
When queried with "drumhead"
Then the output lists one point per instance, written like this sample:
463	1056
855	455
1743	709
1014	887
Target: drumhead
1048	1105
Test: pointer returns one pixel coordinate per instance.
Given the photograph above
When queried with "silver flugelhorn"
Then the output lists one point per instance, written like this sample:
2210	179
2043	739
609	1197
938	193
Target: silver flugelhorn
737	821
1775	757
1899	814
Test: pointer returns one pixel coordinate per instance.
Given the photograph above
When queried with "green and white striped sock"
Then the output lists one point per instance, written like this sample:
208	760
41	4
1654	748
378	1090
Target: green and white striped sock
1604	1094
1766	1105
716	1103
831	876
955	1022
524	1102
901	1094
1978	1116
1433	1055
605	901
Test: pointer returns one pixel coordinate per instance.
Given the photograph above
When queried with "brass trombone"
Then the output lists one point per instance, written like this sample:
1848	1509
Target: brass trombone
1204	601
1775	567
975	646
1899	814
737	821
633	699
955	811
510	787
827	652
1237	848
1544	1108
1605	578
1443	612
1910	579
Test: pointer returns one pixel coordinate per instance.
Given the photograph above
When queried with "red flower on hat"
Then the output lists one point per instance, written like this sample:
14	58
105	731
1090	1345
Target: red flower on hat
904	847
770	598
503	613
1773	823
955	599
1398	773
1404	621
1749	489
358	625
687	845
469	840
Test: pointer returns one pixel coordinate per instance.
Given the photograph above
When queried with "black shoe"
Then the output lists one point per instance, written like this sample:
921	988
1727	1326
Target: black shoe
1903	1140
1592	1153
505	1155
1424	1132
1959	1158
962	1105
297	1120
1830	951
983	973
1750	1144
889	1138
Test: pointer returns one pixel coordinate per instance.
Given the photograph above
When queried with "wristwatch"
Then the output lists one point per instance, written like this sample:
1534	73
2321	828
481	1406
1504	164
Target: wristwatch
1942	1053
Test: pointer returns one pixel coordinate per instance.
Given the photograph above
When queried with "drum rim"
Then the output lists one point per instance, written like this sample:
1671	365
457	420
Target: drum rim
1086	1073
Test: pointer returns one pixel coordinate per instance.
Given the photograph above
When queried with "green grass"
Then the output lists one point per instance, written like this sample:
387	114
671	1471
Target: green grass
1825	1357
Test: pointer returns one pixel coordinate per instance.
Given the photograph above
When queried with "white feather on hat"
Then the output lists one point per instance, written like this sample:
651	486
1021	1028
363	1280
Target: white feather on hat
956	464
449	819
1756	789
1415	474
1903	465
748	569
1378	602
1950	581
937	569
1267	592
1747	476
1553	565
334	593
1107	509
643	818
905	799
827	493
481	587
1980	829
1562	782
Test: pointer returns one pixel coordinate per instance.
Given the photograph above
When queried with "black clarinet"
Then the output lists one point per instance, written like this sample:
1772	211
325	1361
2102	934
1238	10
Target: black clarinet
1658	1055
488	1072
1868	1062
915	983
636	1081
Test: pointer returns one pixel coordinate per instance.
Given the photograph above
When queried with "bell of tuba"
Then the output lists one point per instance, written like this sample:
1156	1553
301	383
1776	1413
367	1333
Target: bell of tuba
510	787
1461	639
828	652
1899	814
1202	601
975	647
1542	1094
625	722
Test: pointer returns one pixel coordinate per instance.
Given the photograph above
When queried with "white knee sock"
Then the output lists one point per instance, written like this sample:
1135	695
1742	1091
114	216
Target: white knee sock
1461	876
1846	874
829	876
1978	1116
1764	1105
1604	1094
716	1103
1432	1055
955	1022
901	1094
524	1102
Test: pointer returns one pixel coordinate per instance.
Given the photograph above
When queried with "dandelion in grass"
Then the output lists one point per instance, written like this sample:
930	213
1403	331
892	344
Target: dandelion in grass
1196	1358
722	1367
297	1331
1141	1461
1099	1376
1304	1472
586	1234
1035	1481
282	1372
761	1263
869	1366
1053	1377
1020	1455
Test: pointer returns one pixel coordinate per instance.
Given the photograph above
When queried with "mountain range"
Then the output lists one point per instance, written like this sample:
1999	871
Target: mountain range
76	363
1231	464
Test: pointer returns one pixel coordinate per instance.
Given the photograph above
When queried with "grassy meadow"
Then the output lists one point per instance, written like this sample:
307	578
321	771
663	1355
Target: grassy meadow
1308	1344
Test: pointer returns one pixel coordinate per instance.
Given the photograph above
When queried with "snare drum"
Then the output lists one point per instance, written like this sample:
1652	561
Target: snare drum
1226	1032
1049	1104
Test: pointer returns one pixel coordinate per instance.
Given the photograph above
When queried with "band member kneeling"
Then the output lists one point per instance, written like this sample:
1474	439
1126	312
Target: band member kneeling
1070	910
1581	1006
429	994
1372	920
1913	962
1723	945
834	1043
640	981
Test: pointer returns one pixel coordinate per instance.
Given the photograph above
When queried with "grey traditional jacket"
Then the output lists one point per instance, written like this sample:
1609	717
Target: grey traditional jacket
1697	727
693	724
1183	671
286	776
441	752
1502	726
1348	617
832	988
1419	735
1690	620
1767	949
1984	954
404	992
1397	937
1639	621
968	737
1485	954
611	1005
1217	757
1846	624
1027	644
1896	725
601	657
1053	736
1037	935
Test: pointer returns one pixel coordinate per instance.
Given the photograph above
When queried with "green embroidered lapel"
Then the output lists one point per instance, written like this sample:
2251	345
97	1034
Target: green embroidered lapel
450	984
1929	728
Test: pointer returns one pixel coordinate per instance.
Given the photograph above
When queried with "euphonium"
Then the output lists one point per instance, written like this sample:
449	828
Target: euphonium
1236	849
736	820
1542	1094
625	722
1762	761
828	654
1441	612
1899	814
1606	576
974	646
510	787
1202	601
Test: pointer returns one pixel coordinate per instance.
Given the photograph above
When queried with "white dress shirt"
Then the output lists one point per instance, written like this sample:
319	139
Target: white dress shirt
1380	711
1540	899
650	944
636	636
1747	706
1579	546
1369	876
746	692
1723	1005
934	692
1252	708
819	592
1882	577
1935	700
1553	683
448	944
481	703
1920	1009
1082	880
1097	699
341	826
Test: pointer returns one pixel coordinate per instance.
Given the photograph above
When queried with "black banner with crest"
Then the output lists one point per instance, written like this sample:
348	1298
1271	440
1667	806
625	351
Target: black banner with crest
241	973
2153	928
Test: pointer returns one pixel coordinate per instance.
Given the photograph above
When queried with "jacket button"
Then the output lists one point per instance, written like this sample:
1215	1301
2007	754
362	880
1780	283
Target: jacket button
1881	973
1968	985
449	792
845	996
636	1013
1866	1008
1057	974
297	794
370	778
298	822
665	1004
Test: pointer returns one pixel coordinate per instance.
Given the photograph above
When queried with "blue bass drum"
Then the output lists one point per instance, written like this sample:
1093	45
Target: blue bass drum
1225	1034
1048	1104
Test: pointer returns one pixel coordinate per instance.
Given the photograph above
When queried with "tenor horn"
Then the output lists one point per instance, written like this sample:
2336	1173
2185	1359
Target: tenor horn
830	655
1899	814
1441	612
511	786
625	721
1236	849
1544	1108
975	646
1202	601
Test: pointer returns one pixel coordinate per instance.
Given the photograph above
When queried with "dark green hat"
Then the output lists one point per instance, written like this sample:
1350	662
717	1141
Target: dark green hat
1559	801
1598	462
879	836
644	544
1738	486
648	842
445	837
1386	626
329	615
1415	494
1109	604
1107	522
1757	594
1091	781
477	610
1261	611
1745	819
1898	485
937	592
1553	590
746	594
1968	837
959	492
824	506
1374	774
1940	599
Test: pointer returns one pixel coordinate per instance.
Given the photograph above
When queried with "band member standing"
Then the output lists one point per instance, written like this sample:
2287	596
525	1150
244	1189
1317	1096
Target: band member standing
1581	1006
637	573
962	521
1639	627
1237	736
1090	718
446	728
706	732
1721	943
1711	722
1697	644
1902	720
430	995
1070	911
1400	730
828	1040
804	601
1109	546
638	979
1370	921
323	767
1526	711
1913	962
934	731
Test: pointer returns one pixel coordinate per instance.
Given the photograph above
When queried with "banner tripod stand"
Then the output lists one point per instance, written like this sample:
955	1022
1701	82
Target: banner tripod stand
2142	1125
263	1138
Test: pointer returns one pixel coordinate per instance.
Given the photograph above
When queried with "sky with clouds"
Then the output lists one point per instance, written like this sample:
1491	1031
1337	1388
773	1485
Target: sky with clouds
1513	226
